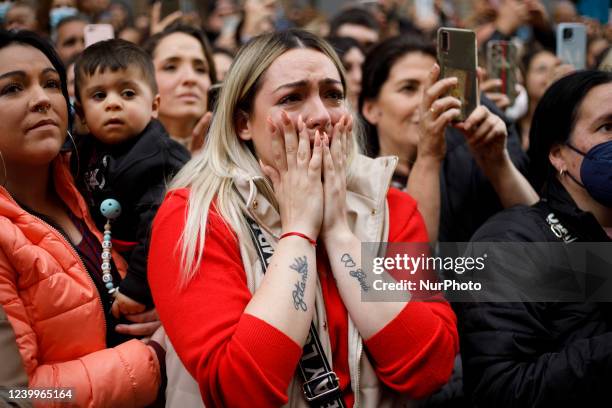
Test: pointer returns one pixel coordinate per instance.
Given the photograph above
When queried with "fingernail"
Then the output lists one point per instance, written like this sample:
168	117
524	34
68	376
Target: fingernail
285	118
301	124
317	138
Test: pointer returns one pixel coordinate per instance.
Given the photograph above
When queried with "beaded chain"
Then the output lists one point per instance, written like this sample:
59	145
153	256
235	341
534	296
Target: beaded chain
110	209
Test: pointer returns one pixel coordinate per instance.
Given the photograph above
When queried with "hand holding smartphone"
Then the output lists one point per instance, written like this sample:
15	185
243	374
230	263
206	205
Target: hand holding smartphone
457	57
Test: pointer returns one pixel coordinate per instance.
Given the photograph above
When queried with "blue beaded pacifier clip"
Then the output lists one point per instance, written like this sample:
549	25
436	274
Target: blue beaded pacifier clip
110	209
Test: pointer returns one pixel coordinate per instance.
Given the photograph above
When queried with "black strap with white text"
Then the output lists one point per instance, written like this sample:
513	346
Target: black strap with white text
321	385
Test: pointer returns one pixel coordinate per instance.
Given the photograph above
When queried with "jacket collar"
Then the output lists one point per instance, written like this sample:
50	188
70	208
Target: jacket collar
366	195
580	223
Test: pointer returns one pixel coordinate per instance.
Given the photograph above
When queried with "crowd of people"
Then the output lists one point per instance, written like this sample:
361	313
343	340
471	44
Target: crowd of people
183	207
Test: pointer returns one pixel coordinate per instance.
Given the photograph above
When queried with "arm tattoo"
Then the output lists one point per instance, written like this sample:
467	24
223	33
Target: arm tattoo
358	273
300	265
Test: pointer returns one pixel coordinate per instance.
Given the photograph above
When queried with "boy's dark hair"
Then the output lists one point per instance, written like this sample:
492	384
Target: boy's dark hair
375	72
356	16
114	55
555	117
32	39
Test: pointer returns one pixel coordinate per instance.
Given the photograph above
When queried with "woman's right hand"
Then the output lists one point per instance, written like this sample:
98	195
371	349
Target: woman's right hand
436	112
157	23
296	176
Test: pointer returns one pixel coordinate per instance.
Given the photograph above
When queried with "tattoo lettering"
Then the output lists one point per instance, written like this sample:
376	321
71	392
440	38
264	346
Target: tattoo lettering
358	274
348	261
300	265
361	277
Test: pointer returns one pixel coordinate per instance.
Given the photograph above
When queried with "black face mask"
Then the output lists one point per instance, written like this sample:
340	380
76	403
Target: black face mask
596	172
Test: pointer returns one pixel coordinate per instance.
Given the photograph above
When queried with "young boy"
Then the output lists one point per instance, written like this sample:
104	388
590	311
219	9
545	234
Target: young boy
128	156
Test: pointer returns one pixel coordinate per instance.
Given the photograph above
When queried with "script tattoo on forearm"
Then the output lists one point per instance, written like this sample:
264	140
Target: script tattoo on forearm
300	265
355	272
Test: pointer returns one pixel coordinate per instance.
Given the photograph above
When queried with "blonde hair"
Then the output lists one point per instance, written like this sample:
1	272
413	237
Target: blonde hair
209	174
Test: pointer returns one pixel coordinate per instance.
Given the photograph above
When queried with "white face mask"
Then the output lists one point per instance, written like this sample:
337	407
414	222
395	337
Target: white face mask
520	107
58	14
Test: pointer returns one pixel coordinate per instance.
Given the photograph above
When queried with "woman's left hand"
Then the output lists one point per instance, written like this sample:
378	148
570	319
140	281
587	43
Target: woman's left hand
486	135
144	324
335	152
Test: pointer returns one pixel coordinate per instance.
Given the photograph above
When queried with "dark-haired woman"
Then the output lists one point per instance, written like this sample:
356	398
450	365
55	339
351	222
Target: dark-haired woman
450	181
544	351
184	70
352	56
51	283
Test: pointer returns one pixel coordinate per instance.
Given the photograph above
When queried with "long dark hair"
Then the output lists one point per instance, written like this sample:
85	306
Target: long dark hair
151	44
375	71
554	120
34	40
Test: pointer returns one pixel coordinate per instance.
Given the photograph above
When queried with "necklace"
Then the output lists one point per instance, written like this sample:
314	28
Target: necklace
110	209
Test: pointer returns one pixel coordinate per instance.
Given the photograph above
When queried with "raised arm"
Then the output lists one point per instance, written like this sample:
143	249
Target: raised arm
486	135
422	366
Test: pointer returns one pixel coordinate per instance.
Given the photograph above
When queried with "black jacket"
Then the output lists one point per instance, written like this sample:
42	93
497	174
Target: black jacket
537	354
135	173
467	198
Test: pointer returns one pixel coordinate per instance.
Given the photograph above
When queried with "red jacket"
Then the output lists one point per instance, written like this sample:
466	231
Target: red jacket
241	361
56	312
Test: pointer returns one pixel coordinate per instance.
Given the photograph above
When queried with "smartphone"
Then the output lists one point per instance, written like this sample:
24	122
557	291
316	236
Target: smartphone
213	96
169	7
502	60
457	56
571	44
94	33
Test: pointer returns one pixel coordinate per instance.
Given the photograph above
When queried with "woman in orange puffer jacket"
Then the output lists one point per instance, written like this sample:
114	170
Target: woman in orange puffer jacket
51	284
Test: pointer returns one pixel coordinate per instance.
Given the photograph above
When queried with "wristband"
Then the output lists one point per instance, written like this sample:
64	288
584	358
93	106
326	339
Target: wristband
299	234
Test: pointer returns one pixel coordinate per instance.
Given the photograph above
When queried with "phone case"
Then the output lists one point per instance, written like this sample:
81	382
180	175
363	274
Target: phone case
502	60
457	57
94	33
571	48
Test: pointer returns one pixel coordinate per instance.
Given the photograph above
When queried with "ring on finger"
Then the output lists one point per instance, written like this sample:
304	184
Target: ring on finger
432	110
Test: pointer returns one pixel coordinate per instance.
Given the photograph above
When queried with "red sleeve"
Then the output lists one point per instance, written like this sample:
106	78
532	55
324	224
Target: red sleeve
231	354
415	352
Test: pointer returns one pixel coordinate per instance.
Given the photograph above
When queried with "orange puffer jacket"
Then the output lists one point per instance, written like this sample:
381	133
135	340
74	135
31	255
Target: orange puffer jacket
56	311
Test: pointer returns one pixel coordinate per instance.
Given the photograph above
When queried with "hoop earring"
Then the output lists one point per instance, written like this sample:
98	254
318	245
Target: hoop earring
4	168
76	152
562	172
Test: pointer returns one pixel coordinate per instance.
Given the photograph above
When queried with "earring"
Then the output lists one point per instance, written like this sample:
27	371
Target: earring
562	172
4	168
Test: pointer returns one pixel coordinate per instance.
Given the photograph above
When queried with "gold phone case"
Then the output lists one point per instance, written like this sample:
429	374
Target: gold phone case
457	58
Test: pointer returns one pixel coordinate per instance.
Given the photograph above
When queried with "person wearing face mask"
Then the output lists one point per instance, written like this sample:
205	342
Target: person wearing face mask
549	352
51	12
281	184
